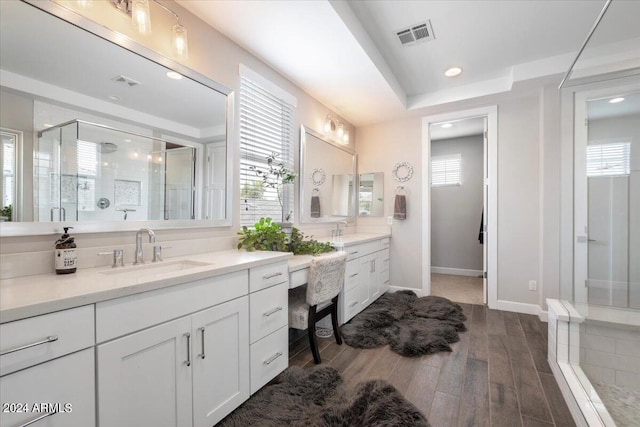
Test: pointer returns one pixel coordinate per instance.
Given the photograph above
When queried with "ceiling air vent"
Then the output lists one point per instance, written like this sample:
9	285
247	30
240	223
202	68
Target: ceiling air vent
125	79
421	32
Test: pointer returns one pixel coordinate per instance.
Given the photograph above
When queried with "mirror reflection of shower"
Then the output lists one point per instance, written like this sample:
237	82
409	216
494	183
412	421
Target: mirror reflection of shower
91	172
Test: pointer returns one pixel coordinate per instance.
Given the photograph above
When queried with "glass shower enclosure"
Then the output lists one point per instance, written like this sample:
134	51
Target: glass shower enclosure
92	172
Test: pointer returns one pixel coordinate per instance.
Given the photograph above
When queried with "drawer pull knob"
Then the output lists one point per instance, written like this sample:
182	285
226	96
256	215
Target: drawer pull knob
353	253
35	420
188	361
47	340
270	312
354	275
202	331
272	358
271	276
353	304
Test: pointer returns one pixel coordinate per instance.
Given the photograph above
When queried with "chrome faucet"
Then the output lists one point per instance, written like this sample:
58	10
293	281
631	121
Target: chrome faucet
139	258
337	233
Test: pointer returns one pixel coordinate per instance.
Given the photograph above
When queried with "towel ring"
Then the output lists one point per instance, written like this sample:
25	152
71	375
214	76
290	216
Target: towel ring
401	190
318	176
402	171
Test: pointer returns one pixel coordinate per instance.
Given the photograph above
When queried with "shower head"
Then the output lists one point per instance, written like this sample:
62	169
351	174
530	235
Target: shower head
108	147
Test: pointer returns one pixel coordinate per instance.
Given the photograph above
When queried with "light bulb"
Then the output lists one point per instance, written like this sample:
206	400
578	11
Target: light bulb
140	16
345	137
327	125
179	41
340	131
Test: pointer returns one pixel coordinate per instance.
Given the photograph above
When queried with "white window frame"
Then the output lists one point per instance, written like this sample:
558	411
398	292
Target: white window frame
266	126
451	167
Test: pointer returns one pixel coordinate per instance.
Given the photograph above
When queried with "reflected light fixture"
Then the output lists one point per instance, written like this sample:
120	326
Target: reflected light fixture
446	125
335	128
173	75
141	18
616	100
453	71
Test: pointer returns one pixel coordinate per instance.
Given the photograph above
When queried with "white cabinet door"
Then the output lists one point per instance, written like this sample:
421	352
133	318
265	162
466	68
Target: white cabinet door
221	361
365	276
60	391
144	379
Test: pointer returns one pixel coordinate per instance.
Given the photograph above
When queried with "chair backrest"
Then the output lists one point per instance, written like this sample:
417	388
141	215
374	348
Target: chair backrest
326	276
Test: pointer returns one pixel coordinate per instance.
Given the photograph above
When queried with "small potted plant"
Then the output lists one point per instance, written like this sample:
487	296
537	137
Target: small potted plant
265	235
276	176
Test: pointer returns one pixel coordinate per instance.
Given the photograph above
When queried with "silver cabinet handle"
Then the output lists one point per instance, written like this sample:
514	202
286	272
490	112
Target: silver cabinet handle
353	304
272	358
353	253
271	276
35	420
49	339
202	331
188	361
354	275
270	312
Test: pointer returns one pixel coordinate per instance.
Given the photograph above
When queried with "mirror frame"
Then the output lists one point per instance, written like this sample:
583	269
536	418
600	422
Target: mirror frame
303	149
10	229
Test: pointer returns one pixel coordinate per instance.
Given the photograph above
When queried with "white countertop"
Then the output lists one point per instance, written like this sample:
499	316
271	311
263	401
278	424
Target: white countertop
29	296
300	262
44	293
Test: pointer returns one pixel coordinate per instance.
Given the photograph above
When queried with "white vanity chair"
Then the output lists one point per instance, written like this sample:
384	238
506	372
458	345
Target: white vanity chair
307	307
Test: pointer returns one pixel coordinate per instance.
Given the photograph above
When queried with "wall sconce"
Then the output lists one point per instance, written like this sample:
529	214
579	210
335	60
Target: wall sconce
141	18
336	129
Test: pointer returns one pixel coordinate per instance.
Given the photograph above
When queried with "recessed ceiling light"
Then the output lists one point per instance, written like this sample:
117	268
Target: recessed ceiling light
115	98
616	100
453	71
173	75
446	125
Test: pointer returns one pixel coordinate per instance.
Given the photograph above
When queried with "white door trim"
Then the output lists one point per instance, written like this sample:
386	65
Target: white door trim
491	214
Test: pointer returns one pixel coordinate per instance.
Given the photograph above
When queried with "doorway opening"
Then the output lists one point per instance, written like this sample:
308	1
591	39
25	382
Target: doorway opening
459	206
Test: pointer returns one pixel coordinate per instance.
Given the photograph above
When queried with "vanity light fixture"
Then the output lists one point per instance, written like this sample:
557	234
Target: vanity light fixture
453	71
141	18
114	98
446	125
616	100
335	128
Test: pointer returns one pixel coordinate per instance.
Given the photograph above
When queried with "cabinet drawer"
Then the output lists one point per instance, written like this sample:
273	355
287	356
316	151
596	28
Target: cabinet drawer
384	260
351	276
268	311
122	316
269	357
299	278
384	243
362	249
64	387
268	275
38	339
353	302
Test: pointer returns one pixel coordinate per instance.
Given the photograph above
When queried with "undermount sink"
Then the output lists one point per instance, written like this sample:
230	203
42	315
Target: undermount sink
157	268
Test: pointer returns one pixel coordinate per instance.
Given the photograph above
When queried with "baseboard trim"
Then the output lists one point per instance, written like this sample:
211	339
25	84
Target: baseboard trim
543	316
520	307
456	271
418	292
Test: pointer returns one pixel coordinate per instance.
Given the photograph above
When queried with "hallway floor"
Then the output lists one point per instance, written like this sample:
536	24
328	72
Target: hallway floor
465	289
496	375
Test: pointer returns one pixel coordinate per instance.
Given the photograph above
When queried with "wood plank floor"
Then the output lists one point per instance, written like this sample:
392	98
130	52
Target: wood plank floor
496	375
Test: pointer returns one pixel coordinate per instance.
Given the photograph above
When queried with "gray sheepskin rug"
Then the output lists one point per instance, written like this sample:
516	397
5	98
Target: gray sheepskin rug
412	326
317	397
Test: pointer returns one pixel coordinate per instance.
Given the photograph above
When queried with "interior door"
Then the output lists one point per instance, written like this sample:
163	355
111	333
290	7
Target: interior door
485	211
607	197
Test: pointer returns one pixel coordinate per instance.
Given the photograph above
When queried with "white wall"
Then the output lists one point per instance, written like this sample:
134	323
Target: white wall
456	210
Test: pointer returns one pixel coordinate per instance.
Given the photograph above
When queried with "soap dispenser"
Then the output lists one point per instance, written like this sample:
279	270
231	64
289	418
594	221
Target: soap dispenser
65	253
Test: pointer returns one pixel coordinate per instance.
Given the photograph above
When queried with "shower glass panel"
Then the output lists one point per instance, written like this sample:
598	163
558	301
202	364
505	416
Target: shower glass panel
89	172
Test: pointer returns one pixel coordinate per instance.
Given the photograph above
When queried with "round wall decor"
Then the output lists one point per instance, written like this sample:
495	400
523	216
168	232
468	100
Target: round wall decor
318	176
402	171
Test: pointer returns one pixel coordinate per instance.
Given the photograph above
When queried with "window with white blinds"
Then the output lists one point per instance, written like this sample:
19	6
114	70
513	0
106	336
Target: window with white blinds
612	159
266	130
446	170
87	153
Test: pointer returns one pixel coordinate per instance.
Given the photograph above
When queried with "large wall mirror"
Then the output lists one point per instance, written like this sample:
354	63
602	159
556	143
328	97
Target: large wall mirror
371	194
97	135
327	179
